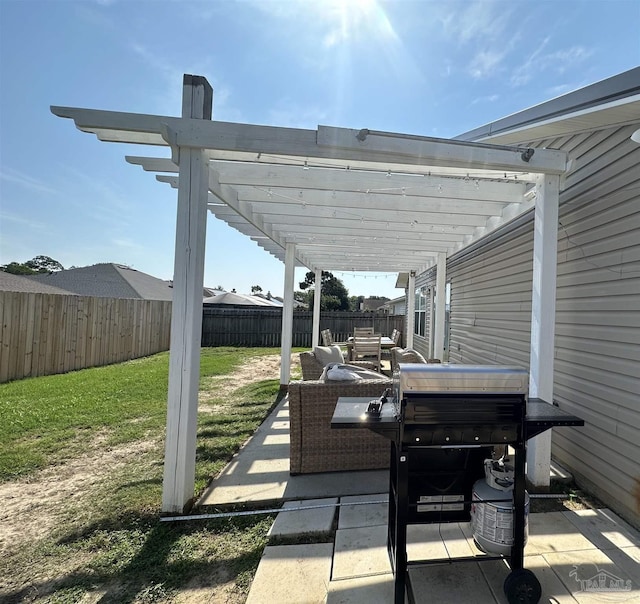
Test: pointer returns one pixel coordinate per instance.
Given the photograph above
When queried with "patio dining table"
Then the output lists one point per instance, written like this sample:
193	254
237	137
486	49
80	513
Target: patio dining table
385	343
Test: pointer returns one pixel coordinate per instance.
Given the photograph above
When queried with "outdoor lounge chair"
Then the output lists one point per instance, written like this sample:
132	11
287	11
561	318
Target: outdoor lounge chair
315	446
407	355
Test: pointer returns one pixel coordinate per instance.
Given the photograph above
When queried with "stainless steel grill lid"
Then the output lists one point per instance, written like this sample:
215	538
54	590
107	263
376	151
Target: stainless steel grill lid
415	378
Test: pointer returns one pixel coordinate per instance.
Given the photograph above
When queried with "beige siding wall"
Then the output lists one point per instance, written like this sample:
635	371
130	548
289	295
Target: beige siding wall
597	366
597	345
490	319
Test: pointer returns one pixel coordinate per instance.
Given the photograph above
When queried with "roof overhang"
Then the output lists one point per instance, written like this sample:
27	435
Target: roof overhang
349	200
612	102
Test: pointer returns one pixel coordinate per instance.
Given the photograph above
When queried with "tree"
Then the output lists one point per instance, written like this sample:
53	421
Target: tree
305	298
37	265
334	294
256	289
355	303
16	268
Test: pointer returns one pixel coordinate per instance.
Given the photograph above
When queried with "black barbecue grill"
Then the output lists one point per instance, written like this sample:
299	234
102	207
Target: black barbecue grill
443	421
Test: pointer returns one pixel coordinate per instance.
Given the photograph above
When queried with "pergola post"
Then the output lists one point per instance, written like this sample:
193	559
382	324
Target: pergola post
441	302
411	309
543	313
287	315
317	294
186	312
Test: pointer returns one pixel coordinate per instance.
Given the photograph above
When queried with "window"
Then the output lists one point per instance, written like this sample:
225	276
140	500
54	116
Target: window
421	300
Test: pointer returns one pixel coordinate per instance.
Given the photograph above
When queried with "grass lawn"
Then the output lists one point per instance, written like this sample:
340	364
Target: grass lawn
85	450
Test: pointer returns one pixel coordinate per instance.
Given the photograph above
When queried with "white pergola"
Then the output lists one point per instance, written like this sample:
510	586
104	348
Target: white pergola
332	199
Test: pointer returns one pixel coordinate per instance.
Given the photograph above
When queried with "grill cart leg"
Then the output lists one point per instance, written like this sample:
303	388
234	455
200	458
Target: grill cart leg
517	550
398	516
521	586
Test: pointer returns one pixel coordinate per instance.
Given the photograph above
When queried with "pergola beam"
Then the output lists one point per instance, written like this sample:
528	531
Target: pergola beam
326	143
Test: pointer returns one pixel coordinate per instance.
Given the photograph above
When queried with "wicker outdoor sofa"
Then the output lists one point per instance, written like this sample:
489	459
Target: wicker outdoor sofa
312	368
315	446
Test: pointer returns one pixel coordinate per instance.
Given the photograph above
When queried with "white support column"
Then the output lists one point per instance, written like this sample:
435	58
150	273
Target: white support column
287	315
186	312
411	309
317	294
441	301
543	314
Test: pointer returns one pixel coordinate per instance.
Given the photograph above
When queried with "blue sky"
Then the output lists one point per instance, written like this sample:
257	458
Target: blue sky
419	67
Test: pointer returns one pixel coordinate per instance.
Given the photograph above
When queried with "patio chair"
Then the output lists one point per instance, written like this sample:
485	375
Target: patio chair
328	339
362	331
367	348
385	354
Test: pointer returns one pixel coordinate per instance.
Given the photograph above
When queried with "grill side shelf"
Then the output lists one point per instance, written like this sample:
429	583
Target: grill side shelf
542	416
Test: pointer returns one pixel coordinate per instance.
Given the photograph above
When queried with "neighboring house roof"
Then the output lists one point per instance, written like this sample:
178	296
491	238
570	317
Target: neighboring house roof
234	299
373	303
108	281
269	298
20	283
398	300
207	292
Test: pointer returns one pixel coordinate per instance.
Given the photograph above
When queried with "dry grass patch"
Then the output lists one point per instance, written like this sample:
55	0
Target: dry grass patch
80	522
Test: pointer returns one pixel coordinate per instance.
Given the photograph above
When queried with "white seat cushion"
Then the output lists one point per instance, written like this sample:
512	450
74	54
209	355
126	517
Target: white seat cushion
328	354
338	372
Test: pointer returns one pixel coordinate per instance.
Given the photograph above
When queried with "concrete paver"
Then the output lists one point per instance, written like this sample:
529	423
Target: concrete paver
360	551
604	529
582	572
375	589
305	522
436	541
360	513
292	574
259	472
451	583
554	532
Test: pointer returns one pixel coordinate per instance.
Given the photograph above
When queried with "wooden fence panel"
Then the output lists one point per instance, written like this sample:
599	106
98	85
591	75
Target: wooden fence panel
258	327
42	334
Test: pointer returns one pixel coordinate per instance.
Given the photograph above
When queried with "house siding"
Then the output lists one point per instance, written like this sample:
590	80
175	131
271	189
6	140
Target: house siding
597	342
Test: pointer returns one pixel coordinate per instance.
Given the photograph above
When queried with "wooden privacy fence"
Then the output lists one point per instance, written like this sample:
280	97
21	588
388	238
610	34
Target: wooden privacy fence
42	334
261	327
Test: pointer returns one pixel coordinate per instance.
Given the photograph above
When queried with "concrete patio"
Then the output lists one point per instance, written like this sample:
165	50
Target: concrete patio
333	550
